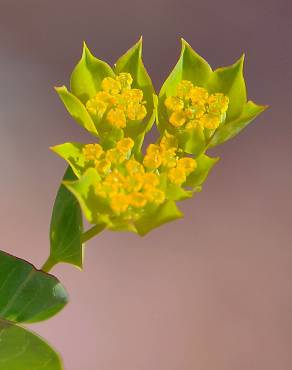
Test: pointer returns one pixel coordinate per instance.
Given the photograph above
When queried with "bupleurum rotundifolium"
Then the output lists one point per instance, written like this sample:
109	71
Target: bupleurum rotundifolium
128	186
117	101
194	107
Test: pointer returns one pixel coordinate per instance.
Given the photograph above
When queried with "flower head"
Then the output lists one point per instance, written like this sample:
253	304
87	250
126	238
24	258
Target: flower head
117	102
193	106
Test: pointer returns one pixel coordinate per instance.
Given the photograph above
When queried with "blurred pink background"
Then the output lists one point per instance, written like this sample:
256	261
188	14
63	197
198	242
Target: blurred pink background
211	291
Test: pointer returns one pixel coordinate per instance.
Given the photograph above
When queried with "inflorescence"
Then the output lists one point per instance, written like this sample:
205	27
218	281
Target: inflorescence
193	106
129	185
118	102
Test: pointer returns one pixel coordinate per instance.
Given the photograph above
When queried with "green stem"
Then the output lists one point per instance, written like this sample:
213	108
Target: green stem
48	265
89	234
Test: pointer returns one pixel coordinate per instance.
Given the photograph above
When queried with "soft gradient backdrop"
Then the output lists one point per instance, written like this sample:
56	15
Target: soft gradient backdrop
209	292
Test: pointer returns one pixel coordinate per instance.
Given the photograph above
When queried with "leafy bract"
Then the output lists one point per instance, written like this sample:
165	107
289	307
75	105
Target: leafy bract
87	75
66	227
77	109
229	130
204	165
72	153
27	294
131	62
21	349
165	213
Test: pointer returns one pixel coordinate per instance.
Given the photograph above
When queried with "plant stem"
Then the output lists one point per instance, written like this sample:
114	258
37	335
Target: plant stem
96	229
48	265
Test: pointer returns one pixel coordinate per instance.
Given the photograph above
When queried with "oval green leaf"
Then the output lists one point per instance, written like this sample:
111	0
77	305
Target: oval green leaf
27	294
21	349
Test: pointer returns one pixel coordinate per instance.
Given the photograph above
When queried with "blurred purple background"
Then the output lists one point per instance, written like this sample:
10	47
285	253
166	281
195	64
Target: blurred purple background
211	291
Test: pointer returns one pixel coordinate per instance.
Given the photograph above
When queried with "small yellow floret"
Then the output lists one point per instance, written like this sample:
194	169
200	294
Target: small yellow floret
116	117
115	156
103	166
125	79
151	179
125	145
136	111
111	85
119	203
134	166
183	89
154	195
174	103
199	95
168	141
137	200
177	119
177	175
187	164
92	152
152	161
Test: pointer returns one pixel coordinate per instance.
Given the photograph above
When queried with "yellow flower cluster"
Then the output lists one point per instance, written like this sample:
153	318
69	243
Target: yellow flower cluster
193	106
163	156
117	101
129	185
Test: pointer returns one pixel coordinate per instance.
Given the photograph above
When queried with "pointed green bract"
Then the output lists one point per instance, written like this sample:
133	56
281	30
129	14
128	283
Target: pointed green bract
229	130
131	62
77	109
21	349
204	166
26	294
165	213
66	227
87	75
230	81
72	153
84	191
190	66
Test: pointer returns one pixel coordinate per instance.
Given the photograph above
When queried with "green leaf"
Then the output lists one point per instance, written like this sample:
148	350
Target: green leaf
77	109
204	166
26	294
165	213
21	349
72	153
66	227
84	191
131	62
230	81
87	75
230	129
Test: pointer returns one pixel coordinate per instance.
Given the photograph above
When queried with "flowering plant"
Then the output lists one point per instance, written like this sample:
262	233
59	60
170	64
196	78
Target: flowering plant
114	181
